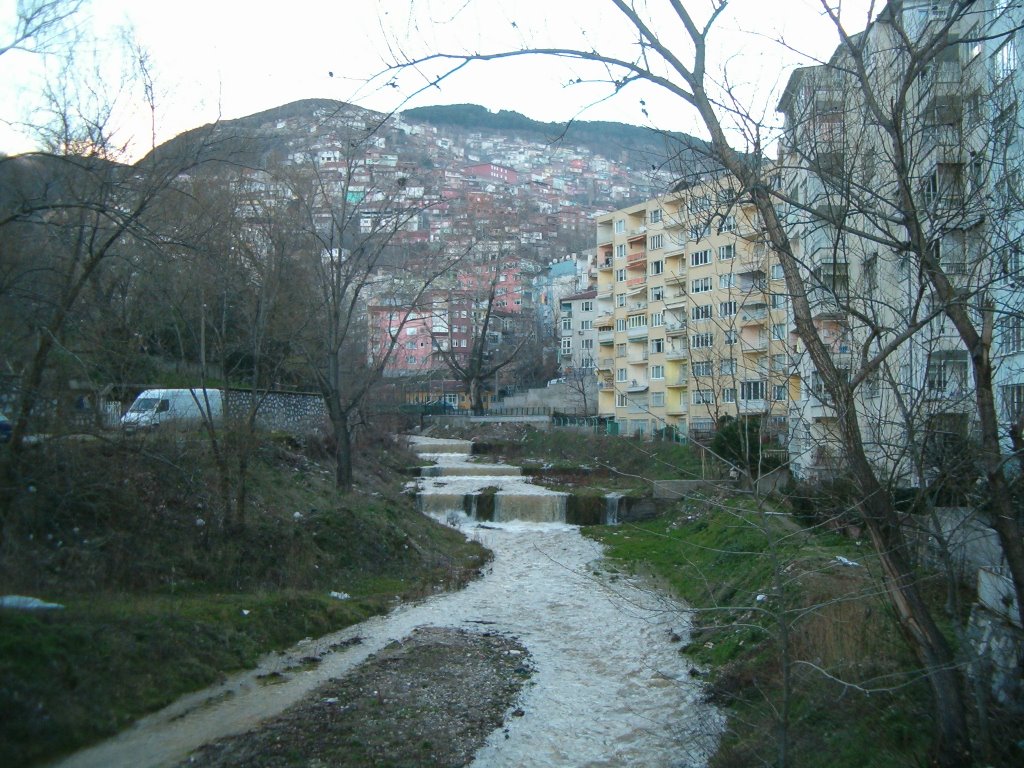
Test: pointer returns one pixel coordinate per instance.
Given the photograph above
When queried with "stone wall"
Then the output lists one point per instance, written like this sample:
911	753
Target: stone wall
298	413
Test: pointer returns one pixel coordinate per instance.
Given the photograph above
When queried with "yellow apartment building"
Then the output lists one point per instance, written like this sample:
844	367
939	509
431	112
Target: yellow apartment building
692	316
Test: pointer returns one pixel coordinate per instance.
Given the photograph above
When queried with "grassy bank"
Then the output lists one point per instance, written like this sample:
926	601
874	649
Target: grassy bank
162	596
800	648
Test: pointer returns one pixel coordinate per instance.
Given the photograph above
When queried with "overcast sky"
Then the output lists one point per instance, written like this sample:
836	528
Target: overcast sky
215	59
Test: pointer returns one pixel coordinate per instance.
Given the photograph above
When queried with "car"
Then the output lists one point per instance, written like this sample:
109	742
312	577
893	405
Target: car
6	428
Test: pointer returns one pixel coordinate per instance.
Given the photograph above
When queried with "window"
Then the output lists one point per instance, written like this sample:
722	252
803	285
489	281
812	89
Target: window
620	251
779	393
946	375
1006	59
410	345
621	401
700	312
411	361
587	306
620	374
701	285
657	371
728	224
779	331
777	272
726	252
1013	400
727	309
658	399
779	362
696	232
701	367
702	340
730	337
566	323
620	275
729	395
657	294
637	321
567	345
778	300
620	350
620	299
700	258
657	346
1011	336
620	226
657	319
657	267
702	397
620	324
727	281
410	331
586	344
654	215
587	325
752	390
655	242
727	367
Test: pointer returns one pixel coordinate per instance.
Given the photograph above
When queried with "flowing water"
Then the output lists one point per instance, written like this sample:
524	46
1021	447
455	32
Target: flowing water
609	687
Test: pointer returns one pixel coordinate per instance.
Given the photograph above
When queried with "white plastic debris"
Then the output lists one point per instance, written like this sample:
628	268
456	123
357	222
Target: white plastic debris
340	595
245	611
23	603
845	561
761	598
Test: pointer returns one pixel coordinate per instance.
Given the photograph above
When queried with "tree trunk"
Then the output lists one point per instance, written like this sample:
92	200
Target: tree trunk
343	456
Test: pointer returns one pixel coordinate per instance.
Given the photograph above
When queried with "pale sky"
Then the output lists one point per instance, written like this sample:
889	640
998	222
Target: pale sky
215	59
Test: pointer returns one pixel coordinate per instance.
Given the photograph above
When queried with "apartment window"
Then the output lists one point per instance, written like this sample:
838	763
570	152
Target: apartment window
779	362
655	242
727	309
1013	400
1006	59
701	367
657	319
702	340
620	324
586	344
730	337
702	397
1011	336
726	252
566	323
657	294
701	285
586	325
620	251
620	275
410	345
657	372
752	390
637	321
779	331
620	375
700	312
657	346
778	300
729	395
654	215
696	232
728	224
701	203
410	331
567	345
700	258
727	367
620	299
946	375
657	267
620	226
587	306
410	361
620	350
778	273
727	281
779	393
657	399
621	401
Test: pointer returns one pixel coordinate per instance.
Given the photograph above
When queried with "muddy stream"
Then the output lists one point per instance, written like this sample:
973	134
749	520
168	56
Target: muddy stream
609	686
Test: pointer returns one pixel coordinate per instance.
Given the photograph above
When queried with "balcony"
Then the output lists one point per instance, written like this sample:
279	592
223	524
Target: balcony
675	327
606	337
636	282
753	346
679	382
676	409
639	358
637	259
674	352
675	299
636	334
605	264
636	385
751	406
605	386
754	314
605	363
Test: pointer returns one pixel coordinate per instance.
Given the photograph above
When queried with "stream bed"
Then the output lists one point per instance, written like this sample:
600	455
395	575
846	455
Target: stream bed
609	687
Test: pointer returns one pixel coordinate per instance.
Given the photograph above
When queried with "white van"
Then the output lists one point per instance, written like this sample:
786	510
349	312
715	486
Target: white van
182	407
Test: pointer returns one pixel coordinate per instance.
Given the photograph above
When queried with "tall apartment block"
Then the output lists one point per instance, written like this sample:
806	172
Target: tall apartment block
691	316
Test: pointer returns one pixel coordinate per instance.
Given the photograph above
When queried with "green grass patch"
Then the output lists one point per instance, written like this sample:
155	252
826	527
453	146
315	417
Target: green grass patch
759	584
